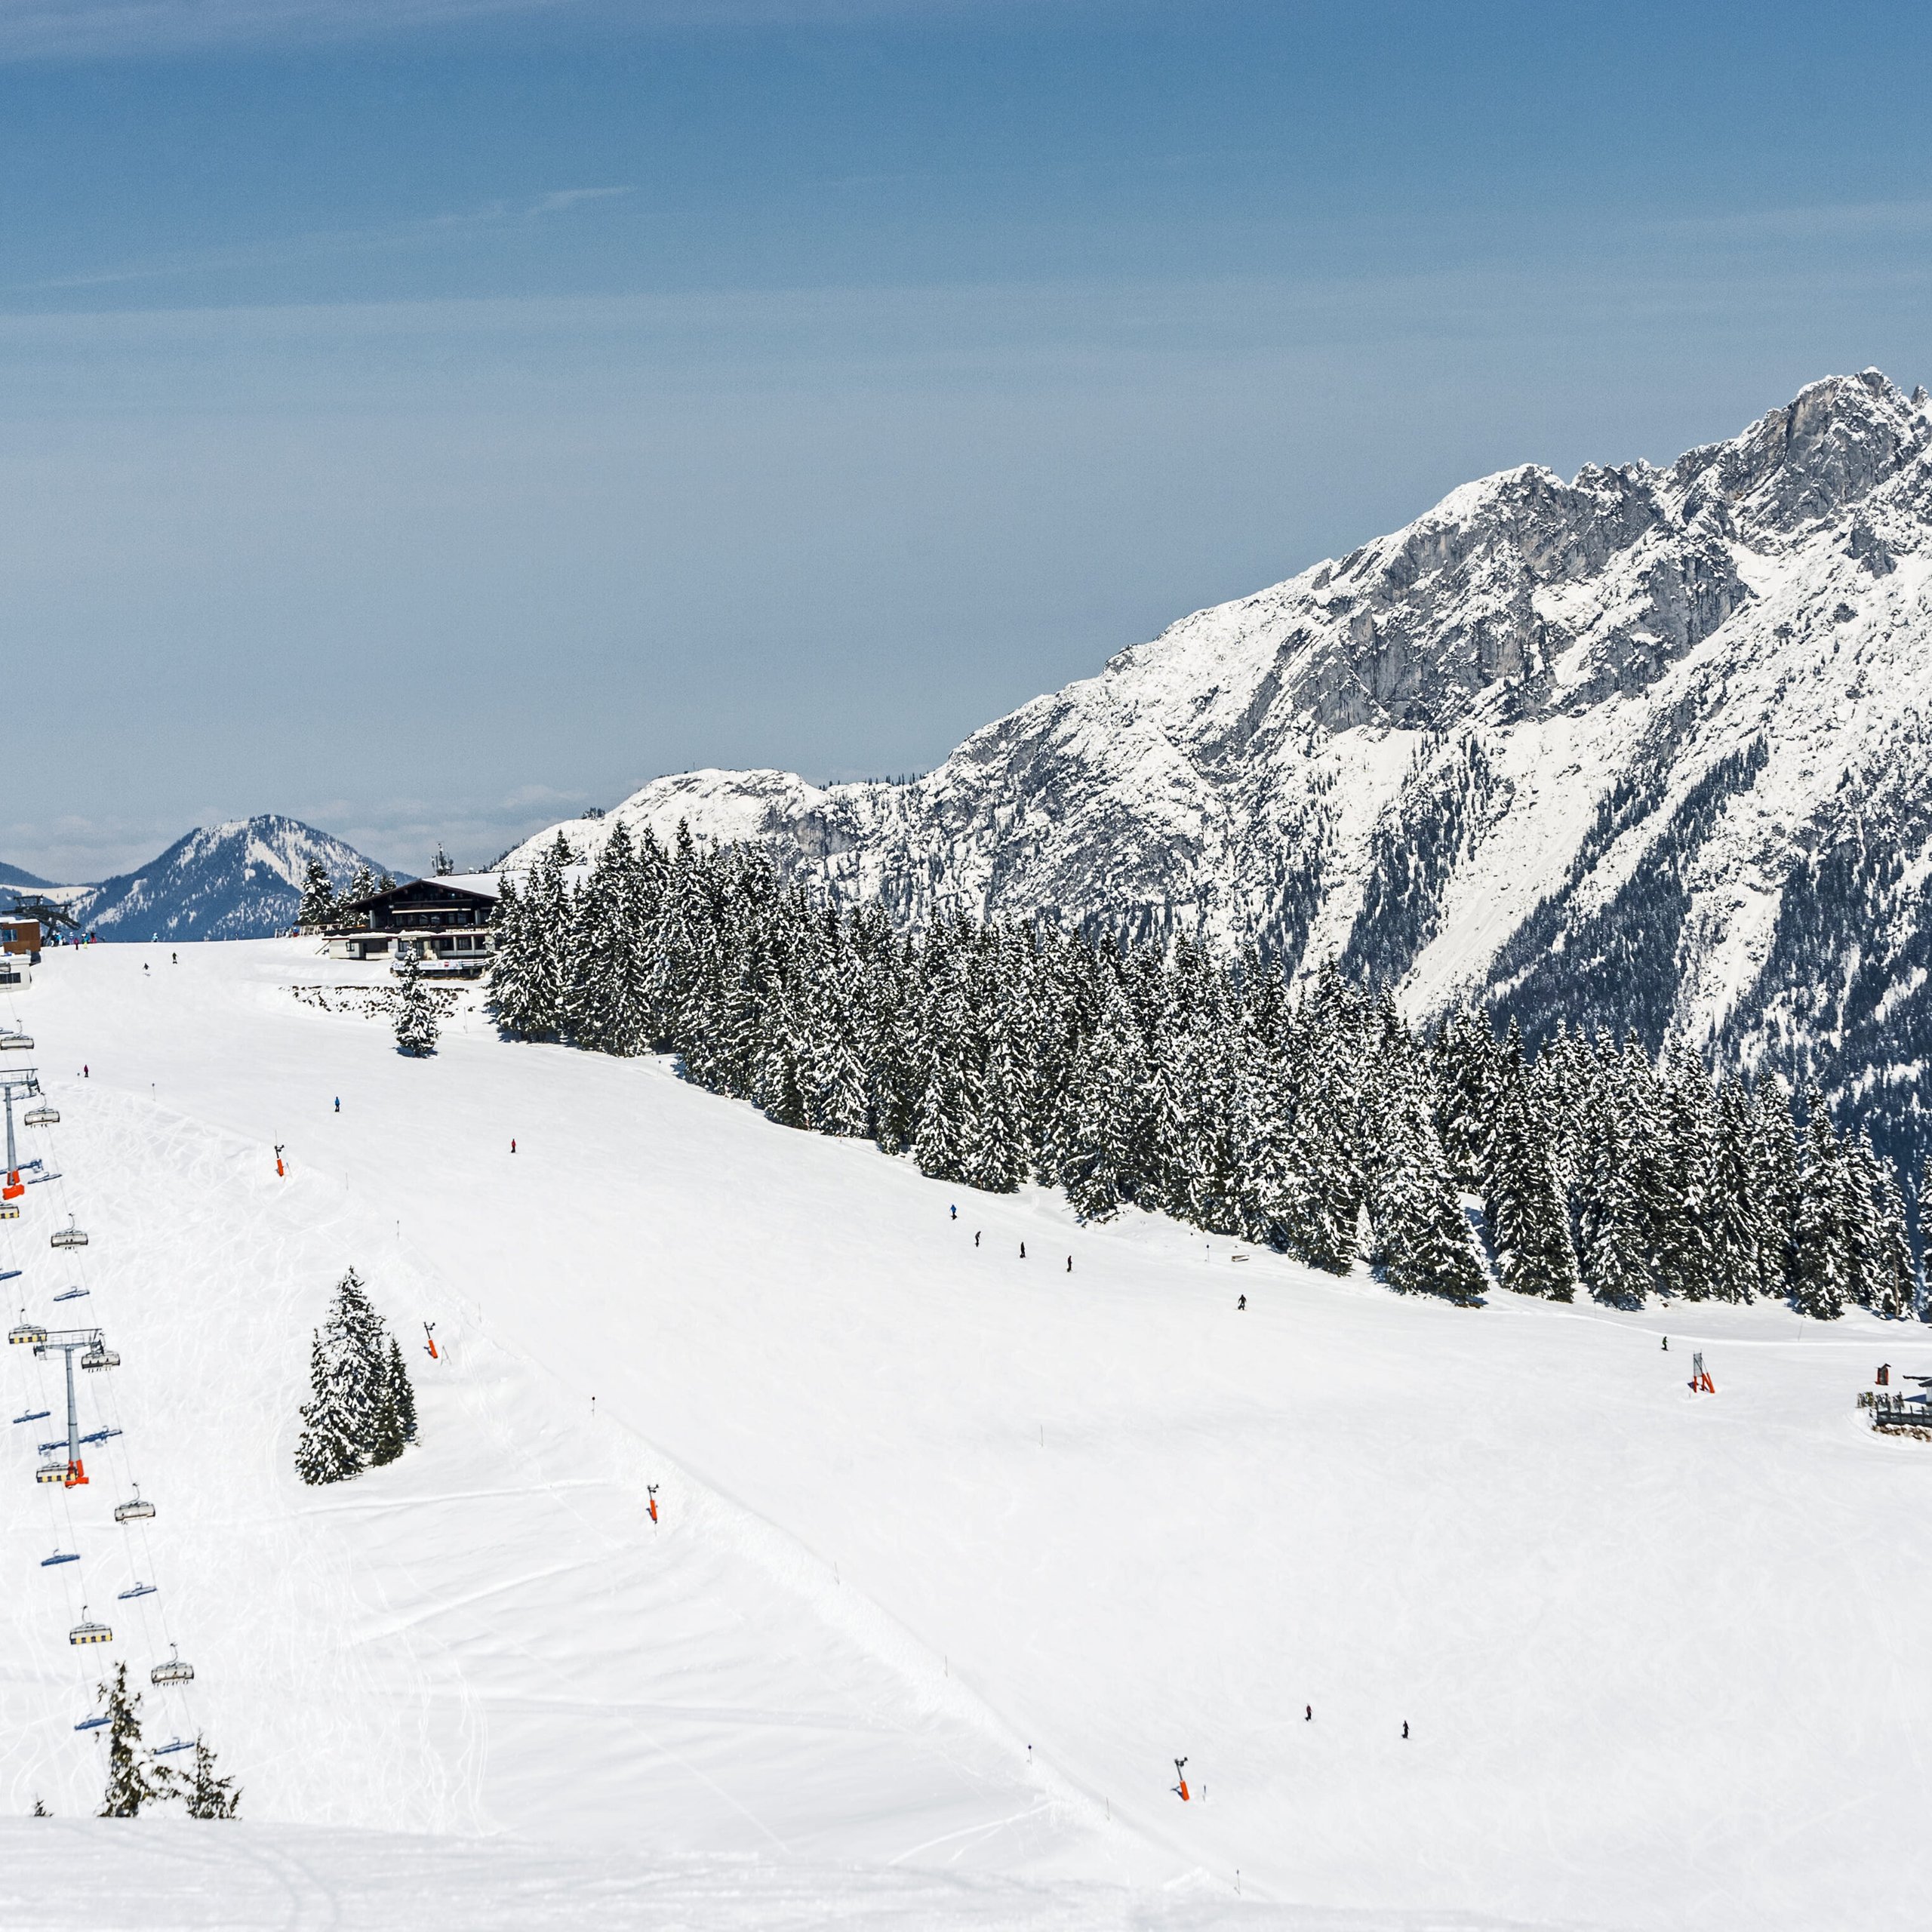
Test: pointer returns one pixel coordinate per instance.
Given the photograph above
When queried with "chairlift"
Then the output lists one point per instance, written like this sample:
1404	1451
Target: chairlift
53	1471
42	1115
60	1556
9	1274
71	1294
70	1236
137	1588
172	1672
85	1632
127	1512
15	1043
101	1356
94	1723
34	1415
177	1744
10	1211
31	1332
100	1435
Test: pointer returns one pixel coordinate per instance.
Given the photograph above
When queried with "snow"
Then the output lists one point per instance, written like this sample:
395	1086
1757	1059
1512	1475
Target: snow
925	1505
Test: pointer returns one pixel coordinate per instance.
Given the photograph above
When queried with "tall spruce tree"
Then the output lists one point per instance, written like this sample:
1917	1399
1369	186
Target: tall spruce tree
318	904
417	1021
1822	1274
132	1780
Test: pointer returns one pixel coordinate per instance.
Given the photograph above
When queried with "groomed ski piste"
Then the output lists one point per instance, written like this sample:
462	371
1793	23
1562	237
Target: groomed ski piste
957	1552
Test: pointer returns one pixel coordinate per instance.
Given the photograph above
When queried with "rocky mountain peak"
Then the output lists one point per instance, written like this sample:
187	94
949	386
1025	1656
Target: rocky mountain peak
1646	749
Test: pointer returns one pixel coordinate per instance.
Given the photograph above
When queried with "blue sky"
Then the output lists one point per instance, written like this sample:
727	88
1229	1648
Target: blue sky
429	418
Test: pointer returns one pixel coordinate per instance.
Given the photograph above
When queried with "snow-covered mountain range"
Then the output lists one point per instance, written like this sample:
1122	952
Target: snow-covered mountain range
1646	750
241	880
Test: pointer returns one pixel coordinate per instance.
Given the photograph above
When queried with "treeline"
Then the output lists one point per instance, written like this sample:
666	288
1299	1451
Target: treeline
1171	1078
361	1412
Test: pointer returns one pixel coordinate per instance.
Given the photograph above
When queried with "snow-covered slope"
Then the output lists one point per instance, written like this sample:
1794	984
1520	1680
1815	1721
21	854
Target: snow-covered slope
959	1550
1643	750
242	880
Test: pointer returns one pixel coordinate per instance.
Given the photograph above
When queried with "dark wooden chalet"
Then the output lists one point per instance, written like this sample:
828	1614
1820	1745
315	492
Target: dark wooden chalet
449	924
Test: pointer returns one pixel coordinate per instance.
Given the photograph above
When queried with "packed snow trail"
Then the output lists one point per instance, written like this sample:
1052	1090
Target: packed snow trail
1660	1654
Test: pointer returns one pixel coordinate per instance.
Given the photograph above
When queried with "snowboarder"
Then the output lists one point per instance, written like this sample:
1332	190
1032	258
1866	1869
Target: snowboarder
1405	1728
1241	1304
84	1070
1310	1718
976	1237
1180	1779
651	1490
1069	1264
174	959
338	1104
954	1212
1022	1251
512	1144
1666	1344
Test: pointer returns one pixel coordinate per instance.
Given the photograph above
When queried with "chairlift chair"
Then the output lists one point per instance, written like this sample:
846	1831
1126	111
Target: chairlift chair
10	1211
99	1356
175	1744
136	1589
71	1294
34	1415
85	1632
99	1435
138	1508
15	1043
94	1723
31	1332
50	1472
42	1115
70	1236
173	1671
60	1556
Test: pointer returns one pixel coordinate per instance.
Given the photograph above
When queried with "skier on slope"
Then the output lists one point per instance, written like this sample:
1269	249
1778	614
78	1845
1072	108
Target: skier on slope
1241	1304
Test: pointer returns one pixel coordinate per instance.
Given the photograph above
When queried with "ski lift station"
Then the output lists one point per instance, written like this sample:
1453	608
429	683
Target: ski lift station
447	920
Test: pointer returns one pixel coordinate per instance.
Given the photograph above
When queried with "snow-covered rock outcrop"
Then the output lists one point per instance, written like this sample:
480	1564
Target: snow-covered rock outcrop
1646	749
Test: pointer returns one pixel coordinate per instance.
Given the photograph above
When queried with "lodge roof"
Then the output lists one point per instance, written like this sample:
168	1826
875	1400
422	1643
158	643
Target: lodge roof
415	893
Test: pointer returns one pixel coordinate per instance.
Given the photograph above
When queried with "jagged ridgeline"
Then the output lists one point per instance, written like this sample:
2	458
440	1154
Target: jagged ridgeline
1177	1078
1643	751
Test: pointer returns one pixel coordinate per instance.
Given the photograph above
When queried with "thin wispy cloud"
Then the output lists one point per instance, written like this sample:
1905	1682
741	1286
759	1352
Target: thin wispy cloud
93	29
393	237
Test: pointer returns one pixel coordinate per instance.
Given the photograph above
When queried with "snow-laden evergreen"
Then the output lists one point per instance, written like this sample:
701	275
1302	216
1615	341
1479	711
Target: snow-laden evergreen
1189	1084
361	1410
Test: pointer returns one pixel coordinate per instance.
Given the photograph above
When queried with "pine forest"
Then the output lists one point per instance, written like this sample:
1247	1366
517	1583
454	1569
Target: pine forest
1315	1121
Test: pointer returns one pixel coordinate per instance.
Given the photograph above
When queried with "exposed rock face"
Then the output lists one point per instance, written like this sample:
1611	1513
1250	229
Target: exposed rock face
1645	750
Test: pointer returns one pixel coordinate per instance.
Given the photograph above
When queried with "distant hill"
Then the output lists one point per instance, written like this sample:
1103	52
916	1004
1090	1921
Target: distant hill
13	875
242	880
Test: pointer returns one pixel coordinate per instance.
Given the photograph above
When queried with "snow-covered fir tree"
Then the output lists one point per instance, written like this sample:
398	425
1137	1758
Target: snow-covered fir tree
417	1021
1162	1076
361	1409
204	1792
132	1780
318	900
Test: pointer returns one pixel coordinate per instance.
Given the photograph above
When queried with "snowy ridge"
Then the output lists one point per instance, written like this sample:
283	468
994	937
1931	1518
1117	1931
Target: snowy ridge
240	880
1644	750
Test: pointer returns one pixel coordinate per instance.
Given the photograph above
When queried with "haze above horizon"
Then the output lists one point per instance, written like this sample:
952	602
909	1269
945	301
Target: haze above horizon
426	420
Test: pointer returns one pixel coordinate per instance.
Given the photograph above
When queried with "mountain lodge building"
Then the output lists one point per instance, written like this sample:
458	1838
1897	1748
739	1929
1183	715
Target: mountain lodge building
448	923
